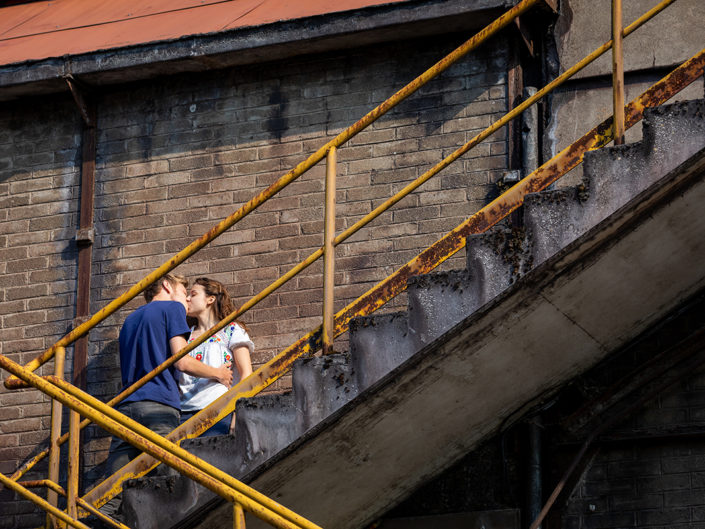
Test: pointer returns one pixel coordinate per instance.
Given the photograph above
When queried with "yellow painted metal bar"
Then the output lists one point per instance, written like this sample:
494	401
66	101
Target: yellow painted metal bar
169	453
12	485
74	463
145	439
329	254
617	73
55	433
369	118
55	487
238	517
95	512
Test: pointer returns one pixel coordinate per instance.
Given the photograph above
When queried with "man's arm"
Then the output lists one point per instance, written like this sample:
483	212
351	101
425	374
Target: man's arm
193	367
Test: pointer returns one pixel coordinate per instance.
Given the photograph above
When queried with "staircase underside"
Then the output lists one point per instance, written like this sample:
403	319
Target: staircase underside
592	297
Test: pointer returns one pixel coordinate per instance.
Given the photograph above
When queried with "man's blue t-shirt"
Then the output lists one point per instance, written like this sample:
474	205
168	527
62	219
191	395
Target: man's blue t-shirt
144	344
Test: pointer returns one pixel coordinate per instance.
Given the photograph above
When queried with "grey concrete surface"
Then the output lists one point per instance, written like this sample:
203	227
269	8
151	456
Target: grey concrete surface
584	25
321	385
630	262
378	344
437	302
615	176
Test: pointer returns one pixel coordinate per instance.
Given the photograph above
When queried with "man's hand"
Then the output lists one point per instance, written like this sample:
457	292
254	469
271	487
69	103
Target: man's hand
224	375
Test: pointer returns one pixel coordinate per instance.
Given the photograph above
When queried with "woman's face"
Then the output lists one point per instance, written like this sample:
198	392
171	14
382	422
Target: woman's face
197	301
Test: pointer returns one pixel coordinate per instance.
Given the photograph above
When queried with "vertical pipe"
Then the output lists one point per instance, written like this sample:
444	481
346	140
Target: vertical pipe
84	241
55	433
329	254
530	135
238	516
535	490
74	464
515	87
617	72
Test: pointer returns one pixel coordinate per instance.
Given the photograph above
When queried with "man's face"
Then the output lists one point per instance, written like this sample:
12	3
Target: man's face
179	294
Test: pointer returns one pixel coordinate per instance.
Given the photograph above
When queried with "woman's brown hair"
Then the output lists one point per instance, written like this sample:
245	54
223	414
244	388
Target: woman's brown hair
223	305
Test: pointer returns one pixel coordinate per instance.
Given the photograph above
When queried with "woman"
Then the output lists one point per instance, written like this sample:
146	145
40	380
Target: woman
208	303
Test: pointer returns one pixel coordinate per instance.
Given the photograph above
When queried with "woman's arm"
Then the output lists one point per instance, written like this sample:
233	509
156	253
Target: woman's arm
243	364
193	367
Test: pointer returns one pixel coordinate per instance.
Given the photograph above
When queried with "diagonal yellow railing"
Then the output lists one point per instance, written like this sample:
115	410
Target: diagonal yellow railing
366	304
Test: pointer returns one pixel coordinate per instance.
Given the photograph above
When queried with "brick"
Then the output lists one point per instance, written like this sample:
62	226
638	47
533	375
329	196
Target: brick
147	168
26	425
191	162
50	222
49	248
7	254
40	210
136	250
236	156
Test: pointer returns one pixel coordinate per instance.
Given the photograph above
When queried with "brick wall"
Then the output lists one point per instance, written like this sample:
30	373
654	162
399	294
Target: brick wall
656	481
39	179
176	155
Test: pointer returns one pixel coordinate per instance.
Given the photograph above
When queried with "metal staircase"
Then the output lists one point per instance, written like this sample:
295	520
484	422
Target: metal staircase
592	267
587	270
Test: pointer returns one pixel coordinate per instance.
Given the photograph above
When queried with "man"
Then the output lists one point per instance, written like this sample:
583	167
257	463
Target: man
148	337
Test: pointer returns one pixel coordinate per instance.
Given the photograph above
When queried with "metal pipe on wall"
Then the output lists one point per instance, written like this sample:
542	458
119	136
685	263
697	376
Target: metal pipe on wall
534	470
84	240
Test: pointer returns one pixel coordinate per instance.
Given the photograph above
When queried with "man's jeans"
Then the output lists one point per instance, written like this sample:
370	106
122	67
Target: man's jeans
159	418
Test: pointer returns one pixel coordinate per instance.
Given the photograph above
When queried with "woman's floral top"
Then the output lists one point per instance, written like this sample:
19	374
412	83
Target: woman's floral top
197	393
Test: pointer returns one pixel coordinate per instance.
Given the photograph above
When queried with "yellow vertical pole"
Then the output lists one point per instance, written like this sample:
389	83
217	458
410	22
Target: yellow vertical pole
617	72
74	464
55	433
329	254
238	516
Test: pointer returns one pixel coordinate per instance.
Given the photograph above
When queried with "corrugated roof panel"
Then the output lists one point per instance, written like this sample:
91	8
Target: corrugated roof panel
67	27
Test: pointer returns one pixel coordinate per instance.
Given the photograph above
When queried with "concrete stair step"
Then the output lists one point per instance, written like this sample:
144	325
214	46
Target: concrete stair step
614	176
321	386
378	344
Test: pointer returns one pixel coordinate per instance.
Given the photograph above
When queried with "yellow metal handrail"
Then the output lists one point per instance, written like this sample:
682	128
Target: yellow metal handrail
343	137
113	421
425	262
369	118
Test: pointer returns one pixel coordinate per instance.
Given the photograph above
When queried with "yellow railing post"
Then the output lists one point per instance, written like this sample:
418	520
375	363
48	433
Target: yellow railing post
617	72
55	433
329	254
74	464
238	516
